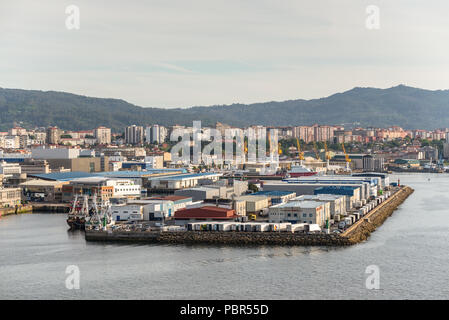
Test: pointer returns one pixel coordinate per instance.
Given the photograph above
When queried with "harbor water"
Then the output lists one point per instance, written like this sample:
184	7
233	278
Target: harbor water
410	251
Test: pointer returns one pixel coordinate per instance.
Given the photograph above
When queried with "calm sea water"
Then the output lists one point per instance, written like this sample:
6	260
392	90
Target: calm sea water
410	249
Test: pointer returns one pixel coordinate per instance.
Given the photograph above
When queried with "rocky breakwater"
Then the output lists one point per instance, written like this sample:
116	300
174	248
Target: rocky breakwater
253	238
219	238
362	229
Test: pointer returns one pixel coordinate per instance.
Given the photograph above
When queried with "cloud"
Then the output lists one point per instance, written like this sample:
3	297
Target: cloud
183	53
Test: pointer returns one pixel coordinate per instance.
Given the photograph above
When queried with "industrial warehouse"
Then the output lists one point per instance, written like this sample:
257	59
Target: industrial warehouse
327	207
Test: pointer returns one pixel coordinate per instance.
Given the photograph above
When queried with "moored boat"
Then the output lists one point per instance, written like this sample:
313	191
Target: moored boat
300	171
78	214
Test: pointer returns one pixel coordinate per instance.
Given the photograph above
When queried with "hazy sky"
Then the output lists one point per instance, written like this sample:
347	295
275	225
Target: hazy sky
177	53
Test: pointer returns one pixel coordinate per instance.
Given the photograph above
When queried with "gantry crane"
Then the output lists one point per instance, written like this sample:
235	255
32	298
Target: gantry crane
317	155
300	154
327	154
346	157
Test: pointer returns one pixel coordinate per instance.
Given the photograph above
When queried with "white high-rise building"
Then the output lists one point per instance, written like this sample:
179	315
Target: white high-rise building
103	135
446	147
156	134
134	135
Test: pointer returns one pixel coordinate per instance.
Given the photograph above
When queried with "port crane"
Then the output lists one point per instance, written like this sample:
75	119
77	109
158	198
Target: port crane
317	155
347	159
300	154
327	155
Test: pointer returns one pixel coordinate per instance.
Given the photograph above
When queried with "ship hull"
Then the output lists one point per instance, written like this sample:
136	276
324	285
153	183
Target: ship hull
301	174
76	223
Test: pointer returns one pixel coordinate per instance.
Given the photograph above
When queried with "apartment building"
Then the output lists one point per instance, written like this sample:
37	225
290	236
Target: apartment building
134	135
103	135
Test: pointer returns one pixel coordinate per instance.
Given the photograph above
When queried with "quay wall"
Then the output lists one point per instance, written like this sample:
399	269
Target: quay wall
358	232
12	210
51	207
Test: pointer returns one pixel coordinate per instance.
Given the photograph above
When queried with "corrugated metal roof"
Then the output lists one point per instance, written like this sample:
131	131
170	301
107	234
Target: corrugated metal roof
273	193
300	204
188	176
63	176
322	196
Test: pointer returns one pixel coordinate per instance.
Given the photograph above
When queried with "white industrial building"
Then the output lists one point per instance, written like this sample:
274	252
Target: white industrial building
124	187
155	209
214	190
127	212
336	202
311	212
147	210
254	204
51	152
182	181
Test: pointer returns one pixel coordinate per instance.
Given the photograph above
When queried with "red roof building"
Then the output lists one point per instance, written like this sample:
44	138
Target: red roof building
206	213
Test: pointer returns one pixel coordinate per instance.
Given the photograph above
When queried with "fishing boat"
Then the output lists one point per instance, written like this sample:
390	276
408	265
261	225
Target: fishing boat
78	213
100	216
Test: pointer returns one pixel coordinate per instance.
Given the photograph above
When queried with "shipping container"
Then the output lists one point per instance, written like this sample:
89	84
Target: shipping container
262	227
313	228
296	227
224	227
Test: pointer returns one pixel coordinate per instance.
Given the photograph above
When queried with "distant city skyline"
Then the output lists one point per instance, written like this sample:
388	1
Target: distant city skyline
182	54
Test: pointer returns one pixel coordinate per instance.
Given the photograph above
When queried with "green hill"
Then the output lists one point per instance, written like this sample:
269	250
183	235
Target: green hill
408	107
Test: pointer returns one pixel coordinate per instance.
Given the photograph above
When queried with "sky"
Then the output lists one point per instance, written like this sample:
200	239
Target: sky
178	53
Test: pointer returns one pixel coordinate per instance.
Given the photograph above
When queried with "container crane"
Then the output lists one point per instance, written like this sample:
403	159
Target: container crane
300	154
346	157
327	155
317	155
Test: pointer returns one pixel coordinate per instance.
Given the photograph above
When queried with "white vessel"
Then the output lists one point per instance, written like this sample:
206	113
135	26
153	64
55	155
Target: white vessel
300	171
